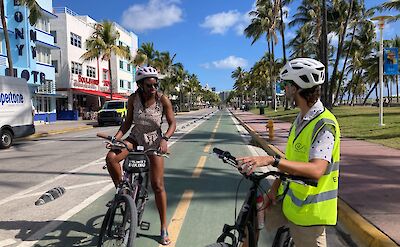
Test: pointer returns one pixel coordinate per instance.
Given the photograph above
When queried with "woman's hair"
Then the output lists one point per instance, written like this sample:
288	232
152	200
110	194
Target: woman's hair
311	95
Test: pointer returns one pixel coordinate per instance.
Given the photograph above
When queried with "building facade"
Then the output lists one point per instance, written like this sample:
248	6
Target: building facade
31	48
86	83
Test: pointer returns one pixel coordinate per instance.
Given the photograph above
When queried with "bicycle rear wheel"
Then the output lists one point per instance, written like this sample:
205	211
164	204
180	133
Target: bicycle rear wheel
119	224
283	238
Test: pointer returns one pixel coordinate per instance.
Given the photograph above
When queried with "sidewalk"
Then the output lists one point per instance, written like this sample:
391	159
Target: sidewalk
59	127
369	189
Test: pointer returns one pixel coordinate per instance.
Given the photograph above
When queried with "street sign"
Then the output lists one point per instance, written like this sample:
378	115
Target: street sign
391	61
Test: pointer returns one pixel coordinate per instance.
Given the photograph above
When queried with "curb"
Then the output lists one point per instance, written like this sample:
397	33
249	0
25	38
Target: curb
357	226
56	132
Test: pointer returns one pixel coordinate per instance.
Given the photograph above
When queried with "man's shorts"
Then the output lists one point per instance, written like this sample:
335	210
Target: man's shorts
303	236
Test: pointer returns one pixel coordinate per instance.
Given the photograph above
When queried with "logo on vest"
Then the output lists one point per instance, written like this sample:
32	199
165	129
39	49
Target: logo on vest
300	148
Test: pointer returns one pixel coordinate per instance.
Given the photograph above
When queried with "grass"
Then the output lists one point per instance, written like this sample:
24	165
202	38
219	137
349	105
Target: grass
359	122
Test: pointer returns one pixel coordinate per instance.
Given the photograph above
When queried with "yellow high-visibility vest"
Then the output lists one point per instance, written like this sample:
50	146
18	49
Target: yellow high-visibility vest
306	205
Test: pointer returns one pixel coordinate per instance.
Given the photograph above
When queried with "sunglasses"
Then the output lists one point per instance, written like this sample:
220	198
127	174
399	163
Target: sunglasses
152	85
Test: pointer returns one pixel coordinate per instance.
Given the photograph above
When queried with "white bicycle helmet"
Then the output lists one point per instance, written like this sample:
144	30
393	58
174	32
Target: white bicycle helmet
305	72
146	72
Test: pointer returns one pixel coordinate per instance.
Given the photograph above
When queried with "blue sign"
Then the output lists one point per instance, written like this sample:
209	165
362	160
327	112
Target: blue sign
391	61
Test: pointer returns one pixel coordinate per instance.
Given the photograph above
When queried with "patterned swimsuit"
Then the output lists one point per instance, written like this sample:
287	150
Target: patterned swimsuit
147	123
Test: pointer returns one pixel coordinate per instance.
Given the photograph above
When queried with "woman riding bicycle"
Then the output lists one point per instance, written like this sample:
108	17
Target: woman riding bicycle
146	108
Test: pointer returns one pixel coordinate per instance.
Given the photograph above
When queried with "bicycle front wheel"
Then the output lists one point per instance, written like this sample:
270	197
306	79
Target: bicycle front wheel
119	224
219	245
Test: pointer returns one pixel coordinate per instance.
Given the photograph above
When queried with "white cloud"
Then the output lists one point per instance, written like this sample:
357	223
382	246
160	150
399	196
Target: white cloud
230	62
333	39
153	15
205	65
286	14
220	23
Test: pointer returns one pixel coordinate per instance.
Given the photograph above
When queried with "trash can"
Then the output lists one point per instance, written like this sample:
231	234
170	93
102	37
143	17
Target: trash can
262	110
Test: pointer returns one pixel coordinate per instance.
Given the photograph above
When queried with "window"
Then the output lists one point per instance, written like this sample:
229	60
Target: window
121	64
1	44
54	34
43	24
76	68
76	40
55	64
91	71
43	55
121	83
129	85
47	88
105	75
128	67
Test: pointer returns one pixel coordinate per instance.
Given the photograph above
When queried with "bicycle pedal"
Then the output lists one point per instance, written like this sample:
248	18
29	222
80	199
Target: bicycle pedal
144	225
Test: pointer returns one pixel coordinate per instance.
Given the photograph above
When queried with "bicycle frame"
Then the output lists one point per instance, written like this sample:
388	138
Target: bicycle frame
246	218
248	213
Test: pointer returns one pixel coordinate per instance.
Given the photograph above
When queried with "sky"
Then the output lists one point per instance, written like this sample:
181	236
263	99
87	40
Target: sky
206	36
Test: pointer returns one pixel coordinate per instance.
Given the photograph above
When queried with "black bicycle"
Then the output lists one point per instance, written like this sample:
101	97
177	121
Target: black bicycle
125	213
246	223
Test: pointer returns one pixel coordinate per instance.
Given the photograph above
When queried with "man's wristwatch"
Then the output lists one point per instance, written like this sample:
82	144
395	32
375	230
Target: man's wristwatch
277	159
165	138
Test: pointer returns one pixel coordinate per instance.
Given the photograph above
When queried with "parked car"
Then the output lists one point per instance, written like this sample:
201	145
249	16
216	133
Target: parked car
113	111
16	110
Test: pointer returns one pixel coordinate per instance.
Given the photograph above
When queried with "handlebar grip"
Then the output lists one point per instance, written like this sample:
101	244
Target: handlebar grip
218	151
102	135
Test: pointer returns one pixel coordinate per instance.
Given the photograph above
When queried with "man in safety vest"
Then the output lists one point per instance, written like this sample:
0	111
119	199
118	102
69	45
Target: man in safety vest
313	151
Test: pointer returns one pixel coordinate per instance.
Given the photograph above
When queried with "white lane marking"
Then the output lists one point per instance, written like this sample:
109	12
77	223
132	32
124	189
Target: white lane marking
59	220
242	130
198	123
15	196
7	242
67	188
56	222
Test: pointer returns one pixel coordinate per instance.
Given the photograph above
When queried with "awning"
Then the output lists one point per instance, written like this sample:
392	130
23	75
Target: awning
90	92
98	93
116	96
60	96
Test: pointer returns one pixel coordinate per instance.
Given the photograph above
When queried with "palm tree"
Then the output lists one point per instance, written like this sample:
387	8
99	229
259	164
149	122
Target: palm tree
238	74
149	51
264	21
34	15
343	15
103	43
389	5
139	59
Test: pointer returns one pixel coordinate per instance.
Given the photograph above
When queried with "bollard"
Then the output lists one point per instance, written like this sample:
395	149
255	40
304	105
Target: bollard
270	129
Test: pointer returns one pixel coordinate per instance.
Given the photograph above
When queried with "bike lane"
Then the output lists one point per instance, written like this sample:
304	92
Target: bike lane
201	193
79	224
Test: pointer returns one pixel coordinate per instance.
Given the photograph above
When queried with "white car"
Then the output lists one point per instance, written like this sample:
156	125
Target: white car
16	111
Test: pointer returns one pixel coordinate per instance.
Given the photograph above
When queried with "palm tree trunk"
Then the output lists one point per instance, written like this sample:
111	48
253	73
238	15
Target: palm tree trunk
7	39
339	52
327	99
370	92
111	85
282	33
397	87
273	86
344	66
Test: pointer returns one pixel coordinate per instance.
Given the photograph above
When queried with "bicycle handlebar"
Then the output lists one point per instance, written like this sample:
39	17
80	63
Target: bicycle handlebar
119	143
228	158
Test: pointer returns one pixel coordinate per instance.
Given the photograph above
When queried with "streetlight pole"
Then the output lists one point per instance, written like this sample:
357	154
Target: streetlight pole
381	25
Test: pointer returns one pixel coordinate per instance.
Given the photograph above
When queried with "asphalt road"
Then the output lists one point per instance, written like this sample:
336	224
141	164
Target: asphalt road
201	189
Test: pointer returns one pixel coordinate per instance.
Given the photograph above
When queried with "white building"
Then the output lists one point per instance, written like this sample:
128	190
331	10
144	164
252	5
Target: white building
86	84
